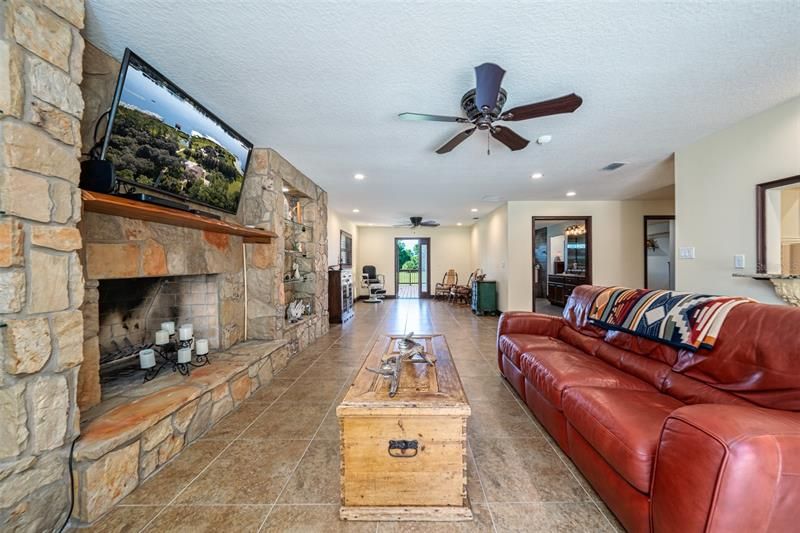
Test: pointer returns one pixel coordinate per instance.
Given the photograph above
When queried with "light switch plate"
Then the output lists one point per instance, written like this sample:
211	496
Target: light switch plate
686	252
738	261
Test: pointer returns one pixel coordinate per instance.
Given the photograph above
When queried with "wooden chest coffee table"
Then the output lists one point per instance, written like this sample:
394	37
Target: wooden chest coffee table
404	457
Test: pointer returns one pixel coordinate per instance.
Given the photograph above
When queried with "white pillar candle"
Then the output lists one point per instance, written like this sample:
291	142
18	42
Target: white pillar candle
162	337
169	327
184	355
185	332
201	346
147	358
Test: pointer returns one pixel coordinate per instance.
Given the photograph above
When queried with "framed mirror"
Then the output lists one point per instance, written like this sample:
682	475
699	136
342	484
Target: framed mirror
778	226
345	249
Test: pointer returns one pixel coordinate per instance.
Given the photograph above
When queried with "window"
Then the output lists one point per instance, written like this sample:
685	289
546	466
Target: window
345	249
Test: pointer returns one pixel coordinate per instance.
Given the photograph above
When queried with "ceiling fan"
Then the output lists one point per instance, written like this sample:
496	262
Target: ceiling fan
417	222
483	106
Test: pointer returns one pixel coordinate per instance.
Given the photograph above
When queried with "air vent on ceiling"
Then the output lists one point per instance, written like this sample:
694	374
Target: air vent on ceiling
493	198
613	166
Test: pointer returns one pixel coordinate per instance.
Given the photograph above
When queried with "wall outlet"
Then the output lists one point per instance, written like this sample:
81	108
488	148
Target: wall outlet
686	252
738	261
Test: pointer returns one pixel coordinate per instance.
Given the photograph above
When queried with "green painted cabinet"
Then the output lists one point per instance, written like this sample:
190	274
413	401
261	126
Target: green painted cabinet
484	297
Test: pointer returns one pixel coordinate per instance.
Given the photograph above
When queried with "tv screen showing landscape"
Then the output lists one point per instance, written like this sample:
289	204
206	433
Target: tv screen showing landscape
160	138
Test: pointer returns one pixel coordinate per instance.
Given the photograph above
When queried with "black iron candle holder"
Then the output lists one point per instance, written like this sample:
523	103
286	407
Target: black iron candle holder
168	354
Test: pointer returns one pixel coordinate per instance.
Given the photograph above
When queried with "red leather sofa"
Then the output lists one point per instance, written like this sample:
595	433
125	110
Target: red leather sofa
673	441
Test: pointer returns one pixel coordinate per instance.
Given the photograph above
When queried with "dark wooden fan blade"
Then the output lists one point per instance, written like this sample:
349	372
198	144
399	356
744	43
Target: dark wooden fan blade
487	85
432	118
564	104
430	223
455	141
509	138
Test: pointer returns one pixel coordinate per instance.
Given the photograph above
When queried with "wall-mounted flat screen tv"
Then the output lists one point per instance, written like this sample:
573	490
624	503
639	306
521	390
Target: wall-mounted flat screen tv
160	138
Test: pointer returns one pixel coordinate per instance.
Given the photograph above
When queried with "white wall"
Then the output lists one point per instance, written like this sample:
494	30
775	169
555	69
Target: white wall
489	238
617	241
450	248
715	181
336	223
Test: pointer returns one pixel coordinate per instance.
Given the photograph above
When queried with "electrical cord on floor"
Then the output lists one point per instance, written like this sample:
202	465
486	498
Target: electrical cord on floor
71	488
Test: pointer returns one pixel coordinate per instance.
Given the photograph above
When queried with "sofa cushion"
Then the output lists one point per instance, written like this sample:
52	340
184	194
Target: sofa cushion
553	371
624	426
754	357
514	345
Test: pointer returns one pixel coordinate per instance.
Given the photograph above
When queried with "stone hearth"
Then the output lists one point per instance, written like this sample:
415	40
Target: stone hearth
135	431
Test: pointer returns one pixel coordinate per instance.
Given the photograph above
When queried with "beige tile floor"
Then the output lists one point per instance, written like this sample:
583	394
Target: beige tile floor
273	464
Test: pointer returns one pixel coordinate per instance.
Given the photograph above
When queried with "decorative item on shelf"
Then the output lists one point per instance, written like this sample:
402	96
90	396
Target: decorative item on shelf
298	211
409	350
174	353
294	311
296	271
287	209
299	247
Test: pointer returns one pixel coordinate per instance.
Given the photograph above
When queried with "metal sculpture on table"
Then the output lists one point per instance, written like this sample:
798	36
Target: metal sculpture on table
409	350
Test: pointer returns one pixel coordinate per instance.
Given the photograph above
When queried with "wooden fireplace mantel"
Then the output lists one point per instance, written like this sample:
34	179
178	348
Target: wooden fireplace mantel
108	204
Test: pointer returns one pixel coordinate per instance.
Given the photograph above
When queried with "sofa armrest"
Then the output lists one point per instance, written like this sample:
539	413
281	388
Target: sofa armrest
727	468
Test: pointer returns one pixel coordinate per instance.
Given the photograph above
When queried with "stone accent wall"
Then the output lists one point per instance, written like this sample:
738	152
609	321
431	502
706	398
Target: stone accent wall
262	206
41	282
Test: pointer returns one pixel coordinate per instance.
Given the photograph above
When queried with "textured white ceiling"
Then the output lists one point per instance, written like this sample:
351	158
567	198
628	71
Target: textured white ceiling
322	83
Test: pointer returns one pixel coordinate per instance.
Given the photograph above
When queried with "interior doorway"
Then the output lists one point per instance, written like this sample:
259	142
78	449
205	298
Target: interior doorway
659	252
412	262
562	260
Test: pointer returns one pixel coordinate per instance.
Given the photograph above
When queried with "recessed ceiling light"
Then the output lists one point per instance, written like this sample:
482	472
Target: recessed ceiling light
458	224
285	189
359	176
571	193
474	210
356	211
544	139
536	175
370	224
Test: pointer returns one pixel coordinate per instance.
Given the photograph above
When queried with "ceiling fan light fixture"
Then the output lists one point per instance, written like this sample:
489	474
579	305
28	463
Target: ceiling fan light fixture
483	106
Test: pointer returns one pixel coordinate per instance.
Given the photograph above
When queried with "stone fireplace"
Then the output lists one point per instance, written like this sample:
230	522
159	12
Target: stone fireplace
77	284
131	311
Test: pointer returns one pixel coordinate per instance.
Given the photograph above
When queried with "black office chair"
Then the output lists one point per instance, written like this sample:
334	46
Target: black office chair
373	283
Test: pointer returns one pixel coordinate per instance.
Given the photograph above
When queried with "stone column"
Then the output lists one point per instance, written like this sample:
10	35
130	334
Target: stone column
260	197
41	281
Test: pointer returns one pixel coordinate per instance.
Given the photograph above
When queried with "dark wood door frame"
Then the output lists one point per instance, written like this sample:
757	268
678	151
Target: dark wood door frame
426	240
587	220
648	218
